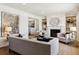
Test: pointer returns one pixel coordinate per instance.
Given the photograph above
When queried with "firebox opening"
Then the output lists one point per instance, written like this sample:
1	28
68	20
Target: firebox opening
53	32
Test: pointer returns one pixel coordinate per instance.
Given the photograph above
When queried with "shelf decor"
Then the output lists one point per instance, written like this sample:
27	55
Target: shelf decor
70	22
44	23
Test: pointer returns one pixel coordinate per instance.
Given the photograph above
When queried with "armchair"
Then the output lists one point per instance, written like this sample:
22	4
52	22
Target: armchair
64	37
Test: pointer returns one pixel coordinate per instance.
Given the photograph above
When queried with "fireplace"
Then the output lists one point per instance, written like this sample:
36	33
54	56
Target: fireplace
53	32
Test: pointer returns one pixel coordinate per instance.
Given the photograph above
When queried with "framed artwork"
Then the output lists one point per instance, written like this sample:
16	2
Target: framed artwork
9	20
32	23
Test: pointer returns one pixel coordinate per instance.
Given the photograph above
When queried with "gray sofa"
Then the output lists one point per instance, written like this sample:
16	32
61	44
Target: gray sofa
33	46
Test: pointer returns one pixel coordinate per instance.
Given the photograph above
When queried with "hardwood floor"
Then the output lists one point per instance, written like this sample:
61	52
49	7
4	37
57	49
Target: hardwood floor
4	51
65	49
68	49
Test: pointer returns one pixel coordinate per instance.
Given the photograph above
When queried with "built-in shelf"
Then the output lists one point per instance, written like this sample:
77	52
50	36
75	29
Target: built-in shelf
70	22
44	23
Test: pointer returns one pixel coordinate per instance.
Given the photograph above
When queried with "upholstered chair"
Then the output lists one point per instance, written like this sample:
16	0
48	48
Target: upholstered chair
64	37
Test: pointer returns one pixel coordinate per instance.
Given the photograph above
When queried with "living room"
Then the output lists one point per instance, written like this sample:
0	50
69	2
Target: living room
56	23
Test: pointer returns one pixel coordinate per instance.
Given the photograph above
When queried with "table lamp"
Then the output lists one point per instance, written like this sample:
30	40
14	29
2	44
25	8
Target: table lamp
8	29
73	29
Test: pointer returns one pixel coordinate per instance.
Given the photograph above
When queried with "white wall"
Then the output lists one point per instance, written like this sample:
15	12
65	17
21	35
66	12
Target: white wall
77	24
23	18
62	20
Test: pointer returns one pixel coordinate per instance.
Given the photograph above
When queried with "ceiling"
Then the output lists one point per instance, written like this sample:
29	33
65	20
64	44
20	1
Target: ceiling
44	9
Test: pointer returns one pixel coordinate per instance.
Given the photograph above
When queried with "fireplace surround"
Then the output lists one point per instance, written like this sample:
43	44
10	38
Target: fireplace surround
53	32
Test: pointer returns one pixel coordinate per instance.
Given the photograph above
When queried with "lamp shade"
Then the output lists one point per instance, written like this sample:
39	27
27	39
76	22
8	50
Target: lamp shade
73	29
8	29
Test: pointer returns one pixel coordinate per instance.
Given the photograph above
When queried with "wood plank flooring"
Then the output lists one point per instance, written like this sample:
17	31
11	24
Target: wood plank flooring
4	51
64	49
68	49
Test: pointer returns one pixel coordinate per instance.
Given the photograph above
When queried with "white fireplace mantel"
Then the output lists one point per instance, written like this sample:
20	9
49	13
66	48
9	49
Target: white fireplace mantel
52	27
